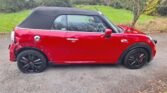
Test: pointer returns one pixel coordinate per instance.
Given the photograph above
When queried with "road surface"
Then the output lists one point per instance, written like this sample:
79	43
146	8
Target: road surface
82	79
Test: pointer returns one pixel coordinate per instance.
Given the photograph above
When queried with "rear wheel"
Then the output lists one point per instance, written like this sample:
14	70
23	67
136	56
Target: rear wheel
31	61
136	58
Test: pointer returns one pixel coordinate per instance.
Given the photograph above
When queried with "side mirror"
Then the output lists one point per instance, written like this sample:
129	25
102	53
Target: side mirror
108	33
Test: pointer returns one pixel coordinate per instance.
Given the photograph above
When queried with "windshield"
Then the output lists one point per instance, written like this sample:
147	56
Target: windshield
116	28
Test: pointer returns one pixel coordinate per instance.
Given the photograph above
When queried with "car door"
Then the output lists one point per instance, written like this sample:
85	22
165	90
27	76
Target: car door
87	42
54	40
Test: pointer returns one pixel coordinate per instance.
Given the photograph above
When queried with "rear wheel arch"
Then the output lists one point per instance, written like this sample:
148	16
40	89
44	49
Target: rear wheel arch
134	46
31	48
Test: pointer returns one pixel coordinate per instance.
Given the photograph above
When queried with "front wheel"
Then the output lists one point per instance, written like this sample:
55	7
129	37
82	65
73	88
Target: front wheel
31	61
136	58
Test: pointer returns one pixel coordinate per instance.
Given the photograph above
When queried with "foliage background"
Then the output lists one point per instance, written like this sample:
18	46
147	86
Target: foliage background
17	5
12	12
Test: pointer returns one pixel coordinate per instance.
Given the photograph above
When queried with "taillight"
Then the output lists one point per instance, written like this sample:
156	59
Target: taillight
12	36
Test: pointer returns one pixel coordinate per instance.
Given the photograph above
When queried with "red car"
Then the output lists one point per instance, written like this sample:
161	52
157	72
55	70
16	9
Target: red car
74	36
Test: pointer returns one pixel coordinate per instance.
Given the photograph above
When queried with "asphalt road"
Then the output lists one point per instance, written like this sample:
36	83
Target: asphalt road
81	79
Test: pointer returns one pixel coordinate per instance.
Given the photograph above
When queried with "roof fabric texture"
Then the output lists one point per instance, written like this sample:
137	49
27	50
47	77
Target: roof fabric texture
43	17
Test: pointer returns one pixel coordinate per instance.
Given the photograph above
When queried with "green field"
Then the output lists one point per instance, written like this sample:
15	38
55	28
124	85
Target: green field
10	20
119	16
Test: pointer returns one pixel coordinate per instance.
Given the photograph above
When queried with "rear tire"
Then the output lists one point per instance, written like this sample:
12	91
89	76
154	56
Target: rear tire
31	61
136	58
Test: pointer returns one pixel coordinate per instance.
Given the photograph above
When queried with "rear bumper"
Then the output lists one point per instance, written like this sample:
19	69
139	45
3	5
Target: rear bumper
12	48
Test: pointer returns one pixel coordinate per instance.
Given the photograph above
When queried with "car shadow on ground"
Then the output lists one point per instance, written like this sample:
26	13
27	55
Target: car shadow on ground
92	66
85	66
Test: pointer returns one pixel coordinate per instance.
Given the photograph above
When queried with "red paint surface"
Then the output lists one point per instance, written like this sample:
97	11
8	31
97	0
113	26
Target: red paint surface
89	47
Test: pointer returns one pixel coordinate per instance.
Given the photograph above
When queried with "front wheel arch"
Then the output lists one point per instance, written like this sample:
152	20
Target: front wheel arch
134	46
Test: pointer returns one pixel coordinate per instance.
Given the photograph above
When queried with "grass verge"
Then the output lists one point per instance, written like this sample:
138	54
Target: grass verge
9	20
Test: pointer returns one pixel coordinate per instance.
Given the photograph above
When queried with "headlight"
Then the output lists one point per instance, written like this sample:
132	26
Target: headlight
150	38
154	41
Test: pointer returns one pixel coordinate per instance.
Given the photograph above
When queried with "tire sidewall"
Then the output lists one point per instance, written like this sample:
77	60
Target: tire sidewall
40	55
132	52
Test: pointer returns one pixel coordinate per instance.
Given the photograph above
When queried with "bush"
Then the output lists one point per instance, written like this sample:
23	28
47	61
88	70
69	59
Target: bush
62	3
162	11
151	7
117	4
125	4
87	2
17	5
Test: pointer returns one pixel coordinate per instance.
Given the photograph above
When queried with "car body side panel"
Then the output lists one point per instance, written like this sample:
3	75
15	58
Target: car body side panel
52	43
90	47
95	47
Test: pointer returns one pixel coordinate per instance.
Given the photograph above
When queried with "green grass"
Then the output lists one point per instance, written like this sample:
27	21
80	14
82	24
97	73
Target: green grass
119	16
9	20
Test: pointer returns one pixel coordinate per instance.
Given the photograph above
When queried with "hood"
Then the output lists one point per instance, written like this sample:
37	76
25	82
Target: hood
130	30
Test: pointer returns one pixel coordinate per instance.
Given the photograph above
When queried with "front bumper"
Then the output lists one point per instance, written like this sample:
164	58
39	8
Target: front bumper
154	48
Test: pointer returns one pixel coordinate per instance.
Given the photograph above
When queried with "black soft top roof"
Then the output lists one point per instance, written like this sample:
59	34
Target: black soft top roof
63	10
43	17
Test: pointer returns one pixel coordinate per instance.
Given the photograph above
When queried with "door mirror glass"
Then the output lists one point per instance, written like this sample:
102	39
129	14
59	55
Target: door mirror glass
108	33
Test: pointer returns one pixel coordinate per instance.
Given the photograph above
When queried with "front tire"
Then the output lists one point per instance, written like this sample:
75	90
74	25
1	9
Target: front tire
31	61
136	58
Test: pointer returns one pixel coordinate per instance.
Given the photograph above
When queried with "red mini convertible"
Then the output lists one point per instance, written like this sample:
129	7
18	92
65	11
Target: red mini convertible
74	36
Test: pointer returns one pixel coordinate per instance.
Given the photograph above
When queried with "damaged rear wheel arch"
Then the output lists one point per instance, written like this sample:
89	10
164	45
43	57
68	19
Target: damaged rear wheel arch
30	48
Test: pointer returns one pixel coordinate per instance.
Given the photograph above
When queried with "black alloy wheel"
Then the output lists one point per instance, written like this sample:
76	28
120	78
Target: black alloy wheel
136	58
31	61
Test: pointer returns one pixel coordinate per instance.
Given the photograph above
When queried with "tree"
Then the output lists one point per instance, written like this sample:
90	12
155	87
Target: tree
151	6
141	6
138	8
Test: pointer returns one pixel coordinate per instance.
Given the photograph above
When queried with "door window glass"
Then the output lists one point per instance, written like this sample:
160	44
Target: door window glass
60	23
85	23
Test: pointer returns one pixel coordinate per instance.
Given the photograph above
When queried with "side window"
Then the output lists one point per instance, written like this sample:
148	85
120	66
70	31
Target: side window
60	23
85	23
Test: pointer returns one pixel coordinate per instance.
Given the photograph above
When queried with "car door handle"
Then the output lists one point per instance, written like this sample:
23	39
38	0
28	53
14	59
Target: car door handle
72	39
